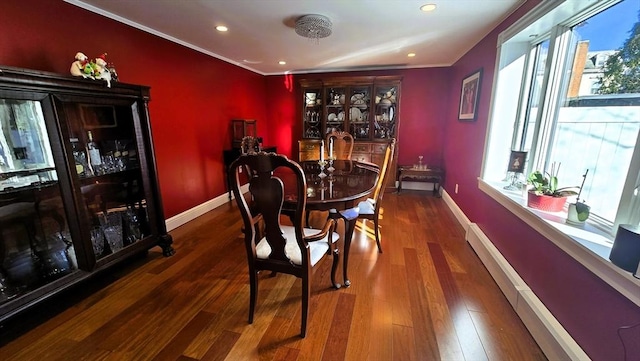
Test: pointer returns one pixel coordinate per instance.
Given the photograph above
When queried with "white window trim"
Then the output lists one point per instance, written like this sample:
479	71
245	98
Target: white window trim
549	226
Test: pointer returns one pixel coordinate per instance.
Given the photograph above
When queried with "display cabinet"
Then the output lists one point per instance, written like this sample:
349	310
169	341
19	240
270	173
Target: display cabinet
78	185
366	107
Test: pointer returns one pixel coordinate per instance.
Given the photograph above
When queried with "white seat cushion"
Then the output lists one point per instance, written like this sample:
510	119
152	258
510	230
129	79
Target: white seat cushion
367	207
291	249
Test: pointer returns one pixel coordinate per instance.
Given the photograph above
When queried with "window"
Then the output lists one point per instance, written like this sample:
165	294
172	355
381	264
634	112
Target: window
564	94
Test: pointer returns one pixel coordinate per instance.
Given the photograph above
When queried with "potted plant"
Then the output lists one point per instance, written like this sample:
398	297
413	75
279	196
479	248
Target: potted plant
544	193
579	211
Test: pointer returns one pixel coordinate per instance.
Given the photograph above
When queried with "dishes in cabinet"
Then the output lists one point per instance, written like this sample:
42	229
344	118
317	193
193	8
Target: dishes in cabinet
341	116
310	99
332	117
312	117
358	99
312	133
355	114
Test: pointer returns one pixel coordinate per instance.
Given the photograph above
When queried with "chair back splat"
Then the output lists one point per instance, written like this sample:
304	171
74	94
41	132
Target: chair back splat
250	144
276	182
342	144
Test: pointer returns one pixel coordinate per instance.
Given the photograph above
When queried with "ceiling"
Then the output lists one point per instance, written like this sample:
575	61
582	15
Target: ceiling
366	34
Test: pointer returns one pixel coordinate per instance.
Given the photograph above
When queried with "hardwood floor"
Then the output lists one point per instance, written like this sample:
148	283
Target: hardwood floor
427	297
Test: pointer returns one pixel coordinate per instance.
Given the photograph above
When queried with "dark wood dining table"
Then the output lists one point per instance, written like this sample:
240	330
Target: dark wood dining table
341	189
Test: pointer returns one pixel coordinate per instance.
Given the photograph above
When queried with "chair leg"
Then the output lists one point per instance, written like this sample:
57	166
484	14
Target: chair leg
335	253
306	294
375	224
253	294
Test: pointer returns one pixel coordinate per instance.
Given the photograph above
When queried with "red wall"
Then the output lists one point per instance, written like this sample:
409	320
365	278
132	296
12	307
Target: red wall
587	307
193	96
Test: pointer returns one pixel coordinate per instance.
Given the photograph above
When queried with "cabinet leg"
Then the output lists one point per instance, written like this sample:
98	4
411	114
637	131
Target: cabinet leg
165	242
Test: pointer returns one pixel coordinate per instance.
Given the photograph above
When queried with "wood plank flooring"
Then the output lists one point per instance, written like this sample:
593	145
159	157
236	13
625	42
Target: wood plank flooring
427	297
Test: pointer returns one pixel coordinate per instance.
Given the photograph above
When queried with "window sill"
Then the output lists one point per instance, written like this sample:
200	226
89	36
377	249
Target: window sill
587	245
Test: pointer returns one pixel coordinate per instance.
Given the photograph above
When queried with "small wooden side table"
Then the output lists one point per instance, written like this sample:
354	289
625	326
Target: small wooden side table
416	174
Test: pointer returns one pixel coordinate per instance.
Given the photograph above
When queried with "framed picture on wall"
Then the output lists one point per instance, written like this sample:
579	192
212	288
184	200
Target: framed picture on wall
469	96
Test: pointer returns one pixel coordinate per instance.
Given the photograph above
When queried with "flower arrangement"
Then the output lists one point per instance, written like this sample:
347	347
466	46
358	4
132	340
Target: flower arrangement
547	183
93	69
545	194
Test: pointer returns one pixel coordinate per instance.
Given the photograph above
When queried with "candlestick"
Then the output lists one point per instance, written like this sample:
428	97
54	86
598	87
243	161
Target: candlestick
331	148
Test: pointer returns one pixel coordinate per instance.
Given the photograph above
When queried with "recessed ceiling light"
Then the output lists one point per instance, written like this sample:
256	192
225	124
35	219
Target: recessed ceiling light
282	62
428	7
411	55
222	28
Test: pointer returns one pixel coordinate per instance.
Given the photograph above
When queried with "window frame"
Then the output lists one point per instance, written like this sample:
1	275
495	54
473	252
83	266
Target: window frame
561	38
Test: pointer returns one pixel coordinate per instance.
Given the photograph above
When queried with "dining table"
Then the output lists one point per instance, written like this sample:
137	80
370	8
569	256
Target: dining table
337	187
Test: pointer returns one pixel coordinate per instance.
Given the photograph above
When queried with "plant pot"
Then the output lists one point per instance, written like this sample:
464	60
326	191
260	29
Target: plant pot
545	203
578	213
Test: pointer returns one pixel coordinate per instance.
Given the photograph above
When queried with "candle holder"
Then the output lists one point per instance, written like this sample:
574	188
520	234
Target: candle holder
331	169
322	164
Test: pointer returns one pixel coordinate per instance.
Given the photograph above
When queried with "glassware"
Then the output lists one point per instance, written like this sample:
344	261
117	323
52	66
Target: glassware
132	227
51	257
94	154
112	228
80	158
322	164
97	240
7	291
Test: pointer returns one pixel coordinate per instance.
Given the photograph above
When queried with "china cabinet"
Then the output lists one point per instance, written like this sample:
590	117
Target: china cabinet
366	107
78	185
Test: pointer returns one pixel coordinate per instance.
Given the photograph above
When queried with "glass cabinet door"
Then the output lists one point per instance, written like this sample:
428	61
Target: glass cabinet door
102	138
35	243
359	104
335	105
386	112
312	117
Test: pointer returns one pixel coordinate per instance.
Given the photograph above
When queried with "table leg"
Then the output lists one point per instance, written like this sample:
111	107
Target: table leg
349	227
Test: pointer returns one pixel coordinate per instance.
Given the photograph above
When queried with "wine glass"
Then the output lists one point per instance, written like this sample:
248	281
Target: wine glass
420	161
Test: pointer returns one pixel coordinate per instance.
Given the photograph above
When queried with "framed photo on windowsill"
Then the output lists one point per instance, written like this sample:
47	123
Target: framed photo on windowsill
516	161
469	96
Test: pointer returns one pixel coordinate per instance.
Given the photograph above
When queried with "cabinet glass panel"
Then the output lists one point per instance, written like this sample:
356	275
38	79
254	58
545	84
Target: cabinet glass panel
103	142
312	113
359	107
386	112
336	116
35	245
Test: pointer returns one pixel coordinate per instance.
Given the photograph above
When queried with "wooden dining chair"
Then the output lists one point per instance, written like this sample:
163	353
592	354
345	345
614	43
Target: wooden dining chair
270	245
342	144
369	209
249	144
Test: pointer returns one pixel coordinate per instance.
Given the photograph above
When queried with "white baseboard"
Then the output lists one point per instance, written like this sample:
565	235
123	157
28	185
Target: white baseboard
553	339
457	212
195	212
